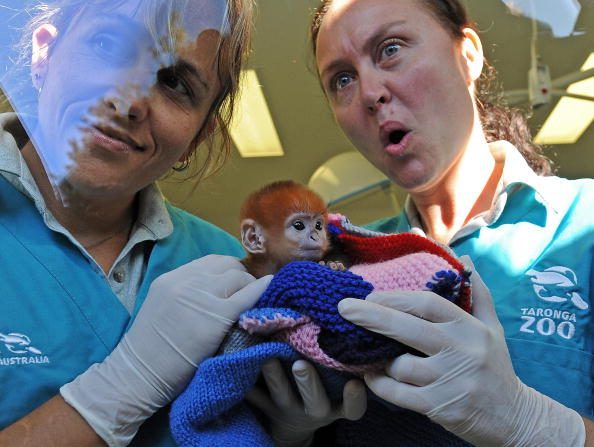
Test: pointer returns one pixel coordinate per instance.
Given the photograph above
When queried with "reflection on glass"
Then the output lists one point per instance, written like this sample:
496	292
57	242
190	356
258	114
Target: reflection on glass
86	72
560	15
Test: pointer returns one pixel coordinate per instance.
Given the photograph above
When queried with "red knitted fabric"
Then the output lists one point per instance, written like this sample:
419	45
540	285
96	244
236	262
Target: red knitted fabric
363	249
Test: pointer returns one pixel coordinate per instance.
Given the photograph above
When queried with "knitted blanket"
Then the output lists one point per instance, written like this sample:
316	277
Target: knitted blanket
297	317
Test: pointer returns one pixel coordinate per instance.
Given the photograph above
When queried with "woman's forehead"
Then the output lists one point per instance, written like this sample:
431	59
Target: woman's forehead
192	16
200	15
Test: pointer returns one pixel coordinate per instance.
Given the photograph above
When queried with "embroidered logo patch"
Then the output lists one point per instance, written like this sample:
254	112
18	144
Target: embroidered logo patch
20	349
560	304
557	285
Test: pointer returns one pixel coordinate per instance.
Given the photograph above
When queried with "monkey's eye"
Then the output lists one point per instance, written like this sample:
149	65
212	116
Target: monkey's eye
298	225
319	226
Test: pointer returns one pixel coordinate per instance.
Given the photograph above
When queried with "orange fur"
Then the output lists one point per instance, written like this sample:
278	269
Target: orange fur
273	203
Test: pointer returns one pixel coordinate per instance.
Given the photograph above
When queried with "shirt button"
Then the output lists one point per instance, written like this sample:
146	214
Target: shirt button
119	276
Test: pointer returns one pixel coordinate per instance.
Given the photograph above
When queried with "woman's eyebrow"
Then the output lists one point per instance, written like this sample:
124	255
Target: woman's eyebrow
332	67
369	43
184	66
123	22
379	34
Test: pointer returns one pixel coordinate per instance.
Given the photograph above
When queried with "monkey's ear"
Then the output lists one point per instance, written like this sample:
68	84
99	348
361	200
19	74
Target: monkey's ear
252	236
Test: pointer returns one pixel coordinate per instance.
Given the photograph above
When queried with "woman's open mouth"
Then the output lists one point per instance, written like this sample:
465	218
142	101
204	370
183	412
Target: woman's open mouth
395	138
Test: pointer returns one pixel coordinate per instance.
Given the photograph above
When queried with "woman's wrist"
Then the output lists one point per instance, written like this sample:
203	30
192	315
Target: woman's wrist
540	420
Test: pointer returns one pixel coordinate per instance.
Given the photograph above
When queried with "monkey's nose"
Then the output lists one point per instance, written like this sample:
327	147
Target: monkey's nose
315	236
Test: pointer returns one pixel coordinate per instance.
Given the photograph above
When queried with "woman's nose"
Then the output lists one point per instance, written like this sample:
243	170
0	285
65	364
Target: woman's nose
374	91
131	104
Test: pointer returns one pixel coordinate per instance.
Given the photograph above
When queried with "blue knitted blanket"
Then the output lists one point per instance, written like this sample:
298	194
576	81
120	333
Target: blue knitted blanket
211	411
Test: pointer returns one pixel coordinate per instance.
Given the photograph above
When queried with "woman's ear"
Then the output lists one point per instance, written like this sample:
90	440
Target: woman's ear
472	53
43	37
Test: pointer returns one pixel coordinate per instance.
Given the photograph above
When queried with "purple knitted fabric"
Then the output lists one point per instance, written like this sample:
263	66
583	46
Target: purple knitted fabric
315	290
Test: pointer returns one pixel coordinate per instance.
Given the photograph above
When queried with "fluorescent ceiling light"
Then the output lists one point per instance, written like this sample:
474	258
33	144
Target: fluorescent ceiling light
571	117
252	129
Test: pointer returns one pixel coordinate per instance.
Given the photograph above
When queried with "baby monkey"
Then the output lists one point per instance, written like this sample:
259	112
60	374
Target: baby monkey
282	222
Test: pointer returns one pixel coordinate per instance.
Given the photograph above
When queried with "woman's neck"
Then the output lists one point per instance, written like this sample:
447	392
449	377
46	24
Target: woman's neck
467	190
100	224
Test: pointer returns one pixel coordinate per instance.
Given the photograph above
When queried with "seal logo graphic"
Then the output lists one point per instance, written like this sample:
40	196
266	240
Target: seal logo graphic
21	351
18	343
557	284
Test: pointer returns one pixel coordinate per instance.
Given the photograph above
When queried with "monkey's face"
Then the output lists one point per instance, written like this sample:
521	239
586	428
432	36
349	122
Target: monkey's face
304	238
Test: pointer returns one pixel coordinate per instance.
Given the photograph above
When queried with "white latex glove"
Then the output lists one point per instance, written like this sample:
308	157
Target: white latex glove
467	383
184	318
294	419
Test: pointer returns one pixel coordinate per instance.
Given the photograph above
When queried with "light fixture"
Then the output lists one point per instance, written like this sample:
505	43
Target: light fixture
252	129
350	185
345	176
573	114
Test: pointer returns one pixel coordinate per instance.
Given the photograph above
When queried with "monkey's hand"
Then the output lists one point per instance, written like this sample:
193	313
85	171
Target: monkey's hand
334	265
294	419
184	318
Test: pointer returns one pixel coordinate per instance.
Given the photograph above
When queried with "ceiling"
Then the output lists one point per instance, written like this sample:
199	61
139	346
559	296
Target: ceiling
309	134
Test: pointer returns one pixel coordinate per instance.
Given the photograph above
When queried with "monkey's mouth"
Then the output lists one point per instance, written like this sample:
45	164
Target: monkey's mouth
311	254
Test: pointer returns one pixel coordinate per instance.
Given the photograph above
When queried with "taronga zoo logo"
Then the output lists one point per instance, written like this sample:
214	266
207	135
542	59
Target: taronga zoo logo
554	287
20	350
557	285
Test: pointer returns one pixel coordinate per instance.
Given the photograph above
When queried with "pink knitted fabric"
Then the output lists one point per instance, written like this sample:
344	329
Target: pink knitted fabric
304	339
409	272
268	326
302	334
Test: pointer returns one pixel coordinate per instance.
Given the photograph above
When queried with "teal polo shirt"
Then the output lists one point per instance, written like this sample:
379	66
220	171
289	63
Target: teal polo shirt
59	314
534	250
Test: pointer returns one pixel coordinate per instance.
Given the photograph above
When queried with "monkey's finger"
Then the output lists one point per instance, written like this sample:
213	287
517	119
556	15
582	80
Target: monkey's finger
279	387
313	393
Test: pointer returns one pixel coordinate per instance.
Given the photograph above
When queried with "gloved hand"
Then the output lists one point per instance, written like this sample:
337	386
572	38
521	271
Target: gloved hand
467	383
184	318
294	419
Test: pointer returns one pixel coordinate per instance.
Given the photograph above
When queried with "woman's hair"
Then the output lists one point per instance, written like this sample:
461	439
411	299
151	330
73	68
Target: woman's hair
233	51
499	121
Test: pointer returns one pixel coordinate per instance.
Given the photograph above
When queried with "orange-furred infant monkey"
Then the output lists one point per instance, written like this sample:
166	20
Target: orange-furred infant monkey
282	222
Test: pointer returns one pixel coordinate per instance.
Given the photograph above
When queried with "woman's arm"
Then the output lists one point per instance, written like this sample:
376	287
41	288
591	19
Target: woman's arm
589	424
54	424
184	318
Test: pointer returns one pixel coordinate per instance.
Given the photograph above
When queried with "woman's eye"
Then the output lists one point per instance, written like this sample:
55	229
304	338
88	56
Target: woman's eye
109	47
341	81
389	50
172	81
298	225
